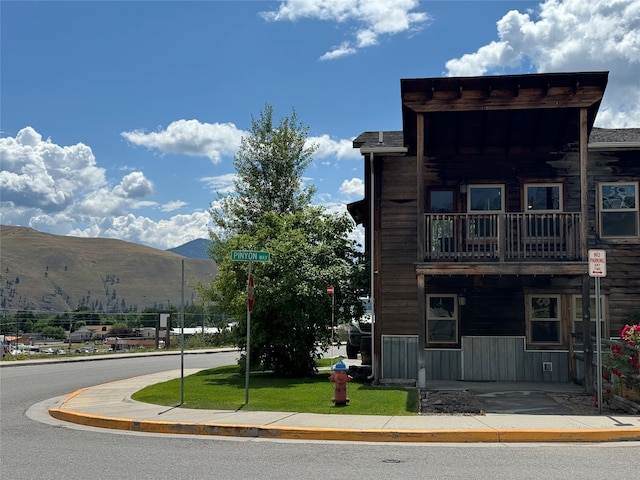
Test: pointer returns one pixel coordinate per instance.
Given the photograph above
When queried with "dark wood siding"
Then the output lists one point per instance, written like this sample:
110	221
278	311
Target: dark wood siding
622	283
397	298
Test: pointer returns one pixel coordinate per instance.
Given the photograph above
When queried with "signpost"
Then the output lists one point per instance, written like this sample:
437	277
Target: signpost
249	256
598	269
333	313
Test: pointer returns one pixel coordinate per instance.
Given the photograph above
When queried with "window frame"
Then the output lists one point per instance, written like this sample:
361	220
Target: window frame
527	207
455	318
530	320
501	186
602	211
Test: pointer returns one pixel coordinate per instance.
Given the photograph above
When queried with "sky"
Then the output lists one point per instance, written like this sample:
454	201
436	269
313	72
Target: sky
120	119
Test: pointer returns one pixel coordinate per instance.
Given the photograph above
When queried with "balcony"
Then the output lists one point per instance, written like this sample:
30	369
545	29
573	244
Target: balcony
502	237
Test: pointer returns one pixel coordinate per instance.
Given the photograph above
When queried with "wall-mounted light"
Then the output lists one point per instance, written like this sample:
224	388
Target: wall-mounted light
462	299
463	187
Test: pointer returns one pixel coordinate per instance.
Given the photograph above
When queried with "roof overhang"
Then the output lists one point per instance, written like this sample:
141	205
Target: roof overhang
384	150
505	114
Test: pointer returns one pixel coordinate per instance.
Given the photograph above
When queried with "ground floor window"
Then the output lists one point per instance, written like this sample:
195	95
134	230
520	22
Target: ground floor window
578	320
543	319
442	319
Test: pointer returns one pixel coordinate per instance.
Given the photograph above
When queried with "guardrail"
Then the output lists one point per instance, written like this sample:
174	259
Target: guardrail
502	236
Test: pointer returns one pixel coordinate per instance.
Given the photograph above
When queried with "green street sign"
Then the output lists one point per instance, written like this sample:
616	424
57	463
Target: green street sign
249	256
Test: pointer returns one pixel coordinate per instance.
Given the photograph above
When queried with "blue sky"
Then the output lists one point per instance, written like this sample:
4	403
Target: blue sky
120	119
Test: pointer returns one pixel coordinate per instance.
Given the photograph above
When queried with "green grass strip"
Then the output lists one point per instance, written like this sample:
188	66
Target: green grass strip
223	388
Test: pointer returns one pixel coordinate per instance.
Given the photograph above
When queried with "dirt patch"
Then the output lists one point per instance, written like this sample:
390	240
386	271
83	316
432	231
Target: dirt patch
463	402
449	402
583	404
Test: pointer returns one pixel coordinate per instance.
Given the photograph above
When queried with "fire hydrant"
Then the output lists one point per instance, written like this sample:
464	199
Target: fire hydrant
340	377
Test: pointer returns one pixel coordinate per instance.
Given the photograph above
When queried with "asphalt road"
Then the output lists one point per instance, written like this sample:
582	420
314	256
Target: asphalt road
34	446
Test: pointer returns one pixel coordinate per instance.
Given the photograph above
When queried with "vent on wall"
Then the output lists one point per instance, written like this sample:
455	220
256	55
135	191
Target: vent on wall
547	367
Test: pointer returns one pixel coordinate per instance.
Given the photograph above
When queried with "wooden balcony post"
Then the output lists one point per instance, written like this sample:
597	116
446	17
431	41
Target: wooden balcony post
584	187
502	235
420	187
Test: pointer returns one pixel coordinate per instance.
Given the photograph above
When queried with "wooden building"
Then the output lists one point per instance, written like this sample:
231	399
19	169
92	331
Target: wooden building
479	216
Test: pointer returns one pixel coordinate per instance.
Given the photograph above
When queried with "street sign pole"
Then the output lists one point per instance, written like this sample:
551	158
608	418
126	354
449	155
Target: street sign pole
598	345
330	291
249	256
248	363
598	269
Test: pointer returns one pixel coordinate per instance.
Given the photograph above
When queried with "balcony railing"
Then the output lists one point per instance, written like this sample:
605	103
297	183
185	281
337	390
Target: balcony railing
502	236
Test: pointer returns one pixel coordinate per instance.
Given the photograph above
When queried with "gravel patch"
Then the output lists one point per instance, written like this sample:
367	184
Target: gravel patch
449	402
463	402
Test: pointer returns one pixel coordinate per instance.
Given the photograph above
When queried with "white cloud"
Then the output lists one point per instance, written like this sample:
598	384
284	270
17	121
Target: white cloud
342	50
134	185
352	188
191	137
162	234
38	174
223	184
328	147
173	205
570	35
374	18
60	189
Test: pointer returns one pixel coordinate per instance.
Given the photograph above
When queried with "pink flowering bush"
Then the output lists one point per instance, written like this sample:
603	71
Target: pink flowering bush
621	366
631	335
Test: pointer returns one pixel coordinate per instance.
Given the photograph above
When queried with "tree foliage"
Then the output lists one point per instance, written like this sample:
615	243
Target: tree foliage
269	166
310	249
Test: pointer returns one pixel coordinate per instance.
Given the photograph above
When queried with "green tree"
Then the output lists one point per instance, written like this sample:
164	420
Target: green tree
311	249
291	317
269	165
54	332
120	329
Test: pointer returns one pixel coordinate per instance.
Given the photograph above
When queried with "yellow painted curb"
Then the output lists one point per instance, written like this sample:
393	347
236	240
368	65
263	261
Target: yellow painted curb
352	435
575	435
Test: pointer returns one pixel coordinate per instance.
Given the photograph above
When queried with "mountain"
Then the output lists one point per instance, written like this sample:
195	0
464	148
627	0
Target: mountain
53	273
193	249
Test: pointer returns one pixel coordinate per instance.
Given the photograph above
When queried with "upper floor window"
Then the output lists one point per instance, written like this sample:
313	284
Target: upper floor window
441	201
543	197
485	198
543	201
618	209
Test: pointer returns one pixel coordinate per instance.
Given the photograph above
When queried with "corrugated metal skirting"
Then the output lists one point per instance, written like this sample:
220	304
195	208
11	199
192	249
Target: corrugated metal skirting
399	357
482	359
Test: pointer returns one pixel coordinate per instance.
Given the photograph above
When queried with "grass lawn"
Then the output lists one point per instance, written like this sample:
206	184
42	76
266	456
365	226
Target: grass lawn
223	388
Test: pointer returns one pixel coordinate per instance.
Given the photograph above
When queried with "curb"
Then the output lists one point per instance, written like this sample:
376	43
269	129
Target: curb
351	435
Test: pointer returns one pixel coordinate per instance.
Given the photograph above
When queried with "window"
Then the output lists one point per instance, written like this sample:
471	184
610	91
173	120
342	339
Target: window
441	226
618	209
578	322
544	319
441	201
543	197
442	319
487	199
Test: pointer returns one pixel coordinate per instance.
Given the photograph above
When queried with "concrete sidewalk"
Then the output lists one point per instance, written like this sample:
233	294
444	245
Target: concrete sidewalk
110	406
